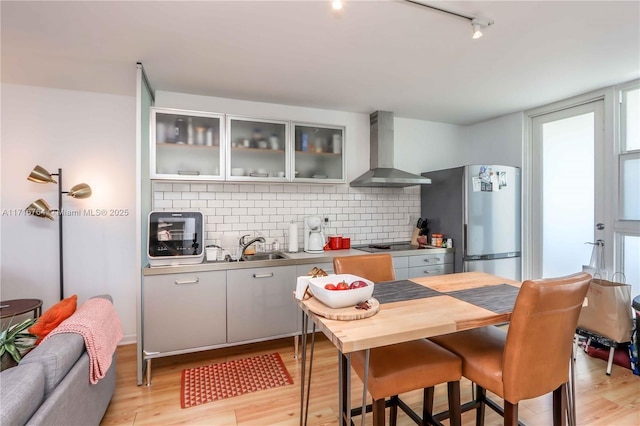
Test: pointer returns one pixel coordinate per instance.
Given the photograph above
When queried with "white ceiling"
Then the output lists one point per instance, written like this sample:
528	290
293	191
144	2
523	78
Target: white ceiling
388	55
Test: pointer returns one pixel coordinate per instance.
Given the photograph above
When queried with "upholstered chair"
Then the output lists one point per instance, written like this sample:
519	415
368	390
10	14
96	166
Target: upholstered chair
403	367
532	357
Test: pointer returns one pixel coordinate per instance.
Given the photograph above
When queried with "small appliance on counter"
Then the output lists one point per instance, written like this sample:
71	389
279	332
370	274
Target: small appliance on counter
313	235
175	238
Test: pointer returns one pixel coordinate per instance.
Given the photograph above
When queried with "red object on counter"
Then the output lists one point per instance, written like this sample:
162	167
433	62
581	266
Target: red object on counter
346	243
335	242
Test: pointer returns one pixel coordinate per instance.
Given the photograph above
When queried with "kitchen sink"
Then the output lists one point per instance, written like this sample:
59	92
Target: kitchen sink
263	256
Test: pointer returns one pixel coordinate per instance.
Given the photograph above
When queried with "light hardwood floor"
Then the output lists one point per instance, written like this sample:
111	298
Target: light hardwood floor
601	400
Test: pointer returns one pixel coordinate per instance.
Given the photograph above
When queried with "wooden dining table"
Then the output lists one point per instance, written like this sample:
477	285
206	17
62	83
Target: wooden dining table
409	310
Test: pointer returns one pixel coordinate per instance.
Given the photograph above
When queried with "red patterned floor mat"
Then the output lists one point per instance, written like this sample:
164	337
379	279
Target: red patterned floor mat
232	378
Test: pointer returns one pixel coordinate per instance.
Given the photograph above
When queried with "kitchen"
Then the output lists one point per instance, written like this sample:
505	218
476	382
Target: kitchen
481	141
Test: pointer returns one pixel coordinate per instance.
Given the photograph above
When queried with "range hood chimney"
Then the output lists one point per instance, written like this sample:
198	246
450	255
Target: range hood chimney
382	173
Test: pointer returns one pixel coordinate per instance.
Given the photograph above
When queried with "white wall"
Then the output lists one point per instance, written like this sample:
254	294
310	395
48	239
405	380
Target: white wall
422	146
497	141
91	136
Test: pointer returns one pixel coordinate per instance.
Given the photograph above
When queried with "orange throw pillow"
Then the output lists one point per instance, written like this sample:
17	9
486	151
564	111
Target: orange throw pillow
53	317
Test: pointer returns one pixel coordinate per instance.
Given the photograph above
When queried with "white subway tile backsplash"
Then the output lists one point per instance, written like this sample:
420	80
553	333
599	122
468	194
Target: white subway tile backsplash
198	187
162	204
181	204
189	195
172	196
207	195
365	215
180	187
239	196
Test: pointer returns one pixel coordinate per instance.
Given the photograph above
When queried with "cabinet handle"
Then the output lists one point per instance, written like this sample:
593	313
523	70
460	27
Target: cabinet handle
193	281
269	275
437	259
189	172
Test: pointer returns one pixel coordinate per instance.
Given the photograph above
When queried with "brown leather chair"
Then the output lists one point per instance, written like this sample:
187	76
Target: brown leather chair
404	367
532	358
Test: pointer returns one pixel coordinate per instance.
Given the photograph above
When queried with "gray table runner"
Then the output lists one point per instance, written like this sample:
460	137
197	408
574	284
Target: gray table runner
398	291
497	298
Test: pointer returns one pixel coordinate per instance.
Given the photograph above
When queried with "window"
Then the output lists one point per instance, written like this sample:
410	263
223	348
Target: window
627	225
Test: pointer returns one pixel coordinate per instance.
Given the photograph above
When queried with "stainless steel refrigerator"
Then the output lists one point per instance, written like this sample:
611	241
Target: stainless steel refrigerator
478	206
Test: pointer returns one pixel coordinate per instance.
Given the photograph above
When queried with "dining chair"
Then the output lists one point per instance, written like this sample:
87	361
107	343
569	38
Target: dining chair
402	367
532	357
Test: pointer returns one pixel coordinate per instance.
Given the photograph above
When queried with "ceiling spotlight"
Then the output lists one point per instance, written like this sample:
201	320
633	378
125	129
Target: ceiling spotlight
478	24
336	4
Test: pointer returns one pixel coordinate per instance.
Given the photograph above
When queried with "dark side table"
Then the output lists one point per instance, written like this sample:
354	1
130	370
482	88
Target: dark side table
9	308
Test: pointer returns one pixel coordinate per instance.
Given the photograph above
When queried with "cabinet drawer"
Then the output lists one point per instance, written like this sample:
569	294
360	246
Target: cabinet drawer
184	311
401	262
429	270
430	259
260	303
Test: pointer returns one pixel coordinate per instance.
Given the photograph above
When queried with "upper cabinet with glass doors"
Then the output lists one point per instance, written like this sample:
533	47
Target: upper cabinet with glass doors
319	153
186	145
258	149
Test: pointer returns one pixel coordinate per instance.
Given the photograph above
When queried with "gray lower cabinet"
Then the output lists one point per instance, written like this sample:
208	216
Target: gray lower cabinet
430	264
183	312
260	303
401	267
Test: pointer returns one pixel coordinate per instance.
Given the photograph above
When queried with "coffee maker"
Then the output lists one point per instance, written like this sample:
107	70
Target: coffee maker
313	236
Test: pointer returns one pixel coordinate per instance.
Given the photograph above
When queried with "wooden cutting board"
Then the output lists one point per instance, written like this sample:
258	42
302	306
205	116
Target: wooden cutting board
342	314
414	237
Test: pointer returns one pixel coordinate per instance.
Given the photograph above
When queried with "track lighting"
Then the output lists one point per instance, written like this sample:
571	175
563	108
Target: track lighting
477	23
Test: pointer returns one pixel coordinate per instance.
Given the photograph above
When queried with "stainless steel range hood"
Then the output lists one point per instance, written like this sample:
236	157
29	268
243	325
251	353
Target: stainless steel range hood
382	172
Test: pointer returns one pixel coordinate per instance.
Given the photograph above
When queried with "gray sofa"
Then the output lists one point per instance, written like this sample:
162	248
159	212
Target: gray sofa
51	386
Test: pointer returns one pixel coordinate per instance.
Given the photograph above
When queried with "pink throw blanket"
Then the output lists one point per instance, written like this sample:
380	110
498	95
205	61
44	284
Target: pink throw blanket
98	323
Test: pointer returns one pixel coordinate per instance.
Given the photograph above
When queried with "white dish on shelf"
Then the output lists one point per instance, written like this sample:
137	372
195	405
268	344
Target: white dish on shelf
256	174
340	298
237	171
319	176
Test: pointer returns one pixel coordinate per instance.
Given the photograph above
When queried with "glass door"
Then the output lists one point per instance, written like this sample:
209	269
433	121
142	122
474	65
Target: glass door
258	149
318	153
567	200
185	145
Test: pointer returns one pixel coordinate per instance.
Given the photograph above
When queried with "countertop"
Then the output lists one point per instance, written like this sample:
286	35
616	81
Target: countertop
299	258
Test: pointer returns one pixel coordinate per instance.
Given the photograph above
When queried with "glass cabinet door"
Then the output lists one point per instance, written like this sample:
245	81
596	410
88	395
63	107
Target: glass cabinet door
258	149
319	153
186	145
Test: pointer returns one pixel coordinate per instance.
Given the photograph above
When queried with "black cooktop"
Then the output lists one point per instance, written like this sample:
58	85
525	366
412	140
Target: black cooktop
385	247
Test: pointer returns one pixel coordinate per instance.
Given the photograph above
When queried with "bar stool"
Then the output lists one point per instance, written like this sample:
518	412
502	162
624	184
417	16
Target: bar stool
403	367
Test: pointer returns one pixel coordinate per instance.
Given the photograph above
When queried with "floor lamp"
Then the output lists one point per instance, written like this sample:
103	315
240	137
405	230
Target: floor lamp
40	208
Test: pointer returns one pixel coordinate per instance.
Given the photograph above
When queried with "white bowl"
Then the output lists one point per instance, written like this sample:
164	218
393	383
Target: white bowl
237	171
340	298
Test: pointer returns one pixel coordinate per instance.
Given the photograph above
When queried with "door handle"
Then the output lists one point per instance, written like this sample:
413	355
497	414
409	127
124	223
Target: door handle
269	275
599	226
182	282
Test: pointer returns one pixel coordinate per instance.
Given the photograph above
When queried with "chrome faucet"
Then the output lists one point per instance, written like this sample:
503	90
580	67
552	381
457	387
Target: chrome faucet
244	245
